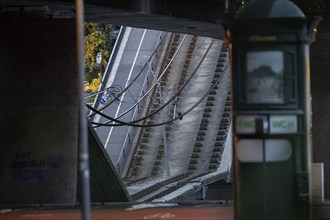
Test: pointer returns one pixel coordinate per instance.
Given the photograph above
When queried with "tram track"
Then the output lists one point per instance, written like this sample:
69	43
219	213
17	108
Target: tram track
157	189
148	161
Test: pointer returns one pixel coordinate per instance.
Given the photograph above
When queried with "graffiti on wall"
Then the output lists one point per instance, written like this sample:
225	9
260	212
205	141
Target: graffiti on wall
26	170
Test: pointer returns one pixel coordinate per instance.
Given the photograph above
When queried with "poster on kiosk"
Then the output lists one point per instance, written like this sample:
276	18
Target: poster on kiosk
269	49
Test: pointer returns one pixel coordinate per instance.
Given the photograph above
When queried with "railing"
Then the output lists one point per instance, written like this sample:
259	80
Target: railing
126	147
110	63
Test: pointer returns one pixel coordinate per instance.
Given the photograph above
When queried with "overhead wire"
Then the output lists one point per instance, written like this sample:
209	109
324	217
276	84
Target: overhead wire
207	93
133	123
178	117
157	81
175	94
128	85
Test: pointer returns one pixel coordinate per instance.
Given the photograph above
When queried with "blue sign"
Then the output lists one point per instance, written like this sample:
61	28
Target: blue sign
102	101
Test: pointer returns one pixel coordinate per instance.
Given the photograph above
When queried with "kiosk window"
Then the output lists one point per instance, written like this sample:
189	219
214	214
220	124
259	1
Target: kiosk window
265	77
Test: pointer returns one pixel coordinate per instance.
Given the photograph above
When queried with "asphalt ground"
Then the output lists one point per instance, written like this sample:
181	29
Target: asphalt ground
141	211
136	212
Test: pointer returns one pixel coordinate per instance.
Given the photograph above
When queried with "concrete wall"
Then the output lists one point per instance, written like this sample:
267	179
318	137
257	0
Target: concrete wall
39	112
320	83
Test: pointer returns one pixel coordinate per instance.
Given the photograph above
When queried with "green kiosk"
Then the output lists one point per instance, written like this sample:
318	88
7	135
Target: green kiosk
269	46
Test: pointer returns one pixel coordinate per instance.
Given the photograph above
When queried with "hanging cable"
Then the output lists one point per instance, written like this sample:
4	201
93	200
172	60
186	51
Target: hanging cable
177	92
119	122
158	79
206	94
132	81
180	115
128	85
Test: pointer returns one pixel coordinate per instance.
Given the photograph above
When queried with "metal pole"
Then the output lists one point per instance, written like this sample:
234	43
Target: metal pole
166	156
83	140
174	108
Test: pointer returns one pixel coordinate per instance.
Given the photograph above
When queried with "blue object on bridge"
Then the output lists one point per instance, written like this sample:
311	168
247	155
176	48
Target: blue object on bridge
102	101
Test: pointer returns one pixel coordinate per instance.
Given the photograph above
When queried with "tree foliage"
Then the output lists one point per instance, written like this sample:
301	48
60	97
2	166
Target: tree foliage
94	86
97	40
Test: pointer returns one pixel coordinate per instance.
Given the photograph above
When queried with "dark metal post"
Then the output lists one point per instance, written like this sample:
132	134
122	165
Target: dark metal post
83	140
269	45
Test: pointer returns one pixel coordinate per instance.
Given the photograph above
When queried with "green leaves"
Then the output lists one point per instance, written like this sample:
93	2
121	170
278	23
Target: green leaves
97	40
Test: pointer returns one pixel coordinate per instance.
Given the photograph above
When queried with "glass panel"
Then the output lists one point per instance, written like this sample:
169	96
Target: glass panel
250	150
277	150
265	77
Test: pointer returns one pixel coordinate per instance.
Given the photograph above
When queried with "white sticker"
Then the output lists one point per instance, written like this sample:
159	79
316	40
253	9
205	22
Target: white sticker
245	124
283	124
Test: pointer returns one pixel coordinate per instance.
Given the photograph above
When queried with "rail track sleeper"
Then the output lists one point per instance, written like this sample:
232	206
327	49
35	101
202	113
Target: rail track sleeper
220	138
228	103
225	114
201	133
138	157
193	161
146	134
213	166
217	149
209	103
197	150
157	163
225	119
227	108
215	155
191	167
134	173
195	155
223	54
214	81
145	140
137	162
140	152
222	126
206	115
219	143
143	146
222	132
220	64
200	138
218	70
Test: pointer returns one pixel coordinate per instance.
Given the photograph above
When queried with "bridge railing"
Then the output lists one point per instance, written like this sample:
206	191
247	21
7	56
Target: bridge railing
127	144
110	63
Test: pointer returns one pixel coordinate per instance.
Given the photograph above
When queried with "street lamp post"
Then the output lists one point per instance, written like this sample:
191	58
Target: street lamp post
98	62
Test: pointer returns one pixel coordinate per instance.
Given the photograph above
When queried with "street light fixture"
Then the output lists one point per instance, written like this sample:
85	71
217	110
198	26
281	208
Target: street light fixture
98	62
98	58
